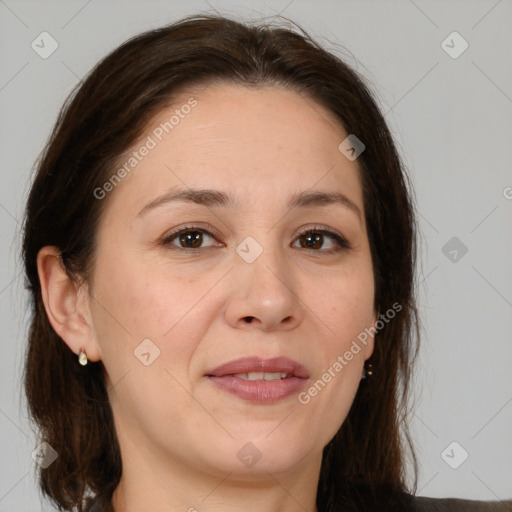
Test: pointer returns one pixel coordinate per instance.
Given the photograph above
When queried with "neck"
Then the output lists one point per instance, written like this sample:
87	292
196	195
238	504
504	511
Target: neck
161	486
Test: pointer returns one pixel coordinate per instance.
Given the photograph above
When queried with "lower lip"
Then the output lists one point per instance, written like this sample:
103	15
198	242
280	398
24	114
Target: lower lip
259	391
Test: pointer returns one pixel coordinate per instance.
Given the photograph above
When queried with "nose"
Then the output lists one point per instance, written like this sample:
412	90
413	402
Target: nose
262	294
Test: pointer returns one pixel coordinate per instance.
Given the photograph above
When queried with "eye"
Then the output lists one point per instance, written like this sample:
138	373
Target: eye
191	239
314	238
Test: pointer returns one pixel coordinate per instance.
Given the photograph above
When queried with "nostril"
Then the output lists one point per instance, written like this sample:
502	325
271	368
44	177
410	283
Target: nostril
249	319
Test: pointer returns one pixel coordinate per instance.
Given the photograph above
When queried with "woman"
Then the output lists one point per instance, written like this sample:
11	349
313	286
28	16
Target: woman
220	247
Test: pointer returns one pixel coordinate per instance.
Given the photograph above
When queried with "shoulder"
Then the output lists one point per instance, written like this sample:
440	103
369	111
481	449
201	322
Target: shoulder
426	504
381	498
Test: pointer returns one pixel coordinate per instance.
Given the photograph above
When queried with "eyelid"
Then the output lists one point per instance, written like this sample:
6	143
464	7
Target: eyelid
340	239
208	230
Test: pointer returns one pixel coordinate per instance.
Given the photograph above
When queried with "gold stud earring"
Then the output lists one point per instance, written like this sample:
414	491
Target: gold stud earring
367	371
82	357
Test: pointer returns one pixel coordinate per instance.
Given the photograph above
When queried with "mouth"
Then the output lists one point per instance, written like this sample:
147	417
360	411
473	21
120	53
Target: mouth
260	380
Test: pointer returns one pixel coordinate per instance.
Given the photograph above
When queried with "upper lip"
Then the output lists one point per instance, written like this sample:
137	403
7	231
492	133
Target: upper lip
257	364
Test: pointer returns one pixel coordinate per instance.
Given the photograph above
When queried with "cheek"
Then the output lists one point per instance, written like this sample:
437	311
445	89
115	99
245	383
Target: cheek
139	300
345	306
345	302
135	302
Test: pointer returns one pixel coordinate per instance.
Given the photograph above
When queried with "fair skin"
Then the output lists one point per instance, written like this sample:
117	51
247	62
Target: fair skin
179	434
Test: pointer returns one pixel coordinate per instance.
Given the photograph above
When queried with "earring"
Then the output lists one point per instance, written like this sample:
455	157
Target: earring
82	357
367	371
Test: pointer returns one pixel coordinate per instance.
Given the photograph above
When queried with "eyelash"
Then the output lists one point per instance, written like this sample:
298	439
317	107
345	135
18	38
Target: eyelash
341	243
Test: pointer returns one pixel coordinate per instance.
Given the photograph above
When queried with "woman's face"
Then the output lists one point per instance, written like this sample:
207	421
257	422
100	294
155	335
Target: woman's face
251	285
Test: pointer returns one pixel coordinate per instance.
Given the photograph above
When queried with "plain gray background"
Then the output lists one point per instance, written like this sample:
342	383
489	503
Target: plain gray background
452	120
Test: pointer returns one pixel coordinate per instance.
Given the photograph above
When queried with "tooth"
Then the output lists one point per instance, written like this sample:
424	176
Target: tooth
255	376
261	375
272	376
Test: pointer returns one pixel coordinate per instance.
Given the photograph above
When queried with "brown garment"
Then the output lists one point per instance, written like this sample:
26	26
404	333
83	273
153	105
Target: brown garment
424	504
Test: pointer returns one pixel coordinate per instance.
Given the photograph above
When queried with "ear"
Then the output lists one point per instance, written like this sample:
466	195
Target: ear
66	304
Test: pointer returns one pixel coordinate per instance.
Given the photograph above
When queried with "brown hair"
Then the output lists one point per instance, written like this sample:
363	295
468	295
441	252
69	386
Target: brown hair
100	120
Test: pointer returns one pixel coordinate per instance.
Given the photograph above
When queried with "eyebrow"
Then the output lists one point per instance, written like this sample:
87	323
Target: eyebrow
216	198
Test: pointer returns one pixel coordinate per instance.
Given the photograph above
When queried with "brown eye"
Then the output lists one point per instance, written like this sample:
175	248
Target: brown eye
312	240
194	238
191	239
315	239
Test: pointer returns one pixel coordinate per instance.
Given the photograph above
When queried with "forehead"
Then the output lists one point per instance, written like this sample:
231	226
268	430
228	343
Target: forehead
264	142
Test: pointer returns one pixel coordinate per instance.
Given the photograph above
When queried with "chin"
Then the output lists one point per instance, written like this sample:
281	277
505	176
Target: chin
253	456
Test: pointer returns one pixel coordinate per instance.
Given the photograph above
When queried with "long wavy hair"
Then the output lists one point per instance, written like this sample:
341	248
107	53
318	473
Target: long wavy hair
98	123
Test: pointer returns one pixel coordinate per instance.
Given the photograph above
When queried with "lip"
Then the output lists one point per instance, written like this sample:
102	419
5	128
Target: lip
260	391
256	364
